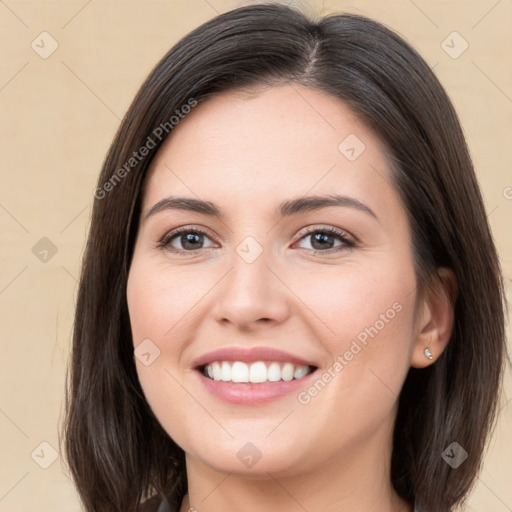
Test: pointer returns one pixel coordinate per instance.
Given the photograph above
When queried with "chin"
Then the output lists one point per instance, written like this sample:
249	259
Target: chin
247	458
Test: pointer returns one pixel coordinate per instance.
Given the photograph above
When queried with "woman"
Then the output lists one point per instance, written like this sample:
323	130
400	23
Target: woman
293	300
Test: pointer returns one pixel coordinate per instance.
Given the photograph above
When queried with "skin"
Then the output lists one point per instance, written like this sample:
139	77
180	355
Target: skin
247	153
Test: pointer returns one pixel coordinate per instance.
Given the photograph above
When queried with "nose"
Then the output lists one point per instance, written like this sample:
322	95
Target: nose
252	295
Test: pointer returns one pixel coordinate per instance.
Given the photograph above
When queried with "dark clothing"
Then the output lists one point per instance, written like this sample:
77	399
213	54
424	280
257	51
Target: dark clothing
156	504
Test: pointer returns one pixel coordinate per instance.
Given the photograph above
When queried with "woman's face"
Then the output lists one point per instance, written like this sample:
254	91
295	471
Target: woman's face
264	282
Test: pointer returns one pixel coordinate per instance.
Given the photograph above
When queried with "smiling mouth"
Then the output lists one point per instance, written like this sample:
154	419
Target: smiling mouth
257	372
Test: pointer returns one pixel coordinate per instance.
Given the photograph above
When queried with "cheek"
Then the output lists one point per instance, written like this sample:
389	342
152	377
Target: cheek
160	300
366	325
158	309
353	301
163	304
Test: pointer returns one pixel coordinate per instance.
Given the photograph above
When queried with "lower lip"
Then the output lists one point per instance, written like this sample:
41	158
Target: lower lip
252	394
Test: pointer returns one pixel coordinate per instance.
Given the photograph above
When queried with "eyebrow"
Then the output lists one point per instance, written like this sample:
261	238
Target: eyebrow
296	206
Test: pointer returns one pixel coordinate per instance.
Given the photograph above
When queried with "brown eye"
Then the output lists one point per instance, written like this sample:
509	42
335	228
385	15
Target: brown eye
325	239
185	240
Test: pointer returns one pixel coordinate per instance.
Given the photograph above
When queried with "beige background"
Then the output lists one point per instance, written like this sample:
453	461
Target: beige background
58	116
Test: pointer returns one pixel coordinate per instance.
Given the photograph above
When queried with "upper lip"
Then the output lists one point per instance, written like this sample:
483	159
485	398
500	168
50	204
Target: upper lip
249	355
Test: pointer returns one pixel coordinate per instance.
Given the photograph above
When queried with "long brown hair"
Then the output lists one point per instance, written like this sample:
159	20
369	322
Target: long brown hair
118	453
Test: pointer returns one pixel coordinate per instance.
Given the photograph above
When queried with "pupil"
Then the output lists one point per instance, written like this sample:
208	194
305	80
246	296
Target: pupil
321	238
189	238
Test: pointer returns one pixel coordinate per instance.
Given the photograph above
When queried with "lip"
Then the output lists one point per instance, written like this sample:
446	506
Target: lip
250	355
243	393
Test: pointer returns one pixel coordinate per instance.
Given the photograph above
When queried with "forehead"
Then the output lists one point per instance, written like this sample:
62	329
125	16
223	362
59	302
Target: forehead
269	145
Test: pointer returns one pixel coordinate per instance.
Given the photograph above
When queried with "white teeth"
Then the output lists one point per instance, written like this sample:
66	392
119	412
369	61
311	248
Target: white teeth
239	372
274	372
217	372
225	371
300	371
256	372
287	371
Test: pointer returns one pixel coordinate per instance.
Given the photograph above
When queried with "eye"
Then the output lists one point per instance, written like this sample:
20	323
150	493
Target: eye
324	239
186	239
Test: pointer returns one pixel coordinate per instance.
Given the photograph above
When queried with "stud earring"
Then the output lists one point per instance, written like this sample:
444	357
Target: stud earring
428	353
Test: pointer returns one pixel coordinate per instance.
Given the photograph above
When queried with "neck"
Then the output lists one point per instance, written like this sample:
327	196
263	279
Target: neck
356	480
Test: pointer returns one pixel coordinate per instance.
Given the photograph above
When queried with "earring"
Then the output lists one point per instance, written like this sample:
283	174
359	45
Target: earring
428	353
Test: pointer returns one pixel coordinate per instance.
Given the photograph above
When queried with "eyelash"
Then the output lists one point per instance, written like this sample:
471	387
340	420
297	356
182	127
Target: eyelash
347	241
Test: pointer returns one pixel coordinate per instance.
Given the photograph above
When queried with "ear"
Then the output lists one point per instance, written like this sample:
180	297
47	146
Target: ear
436	317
